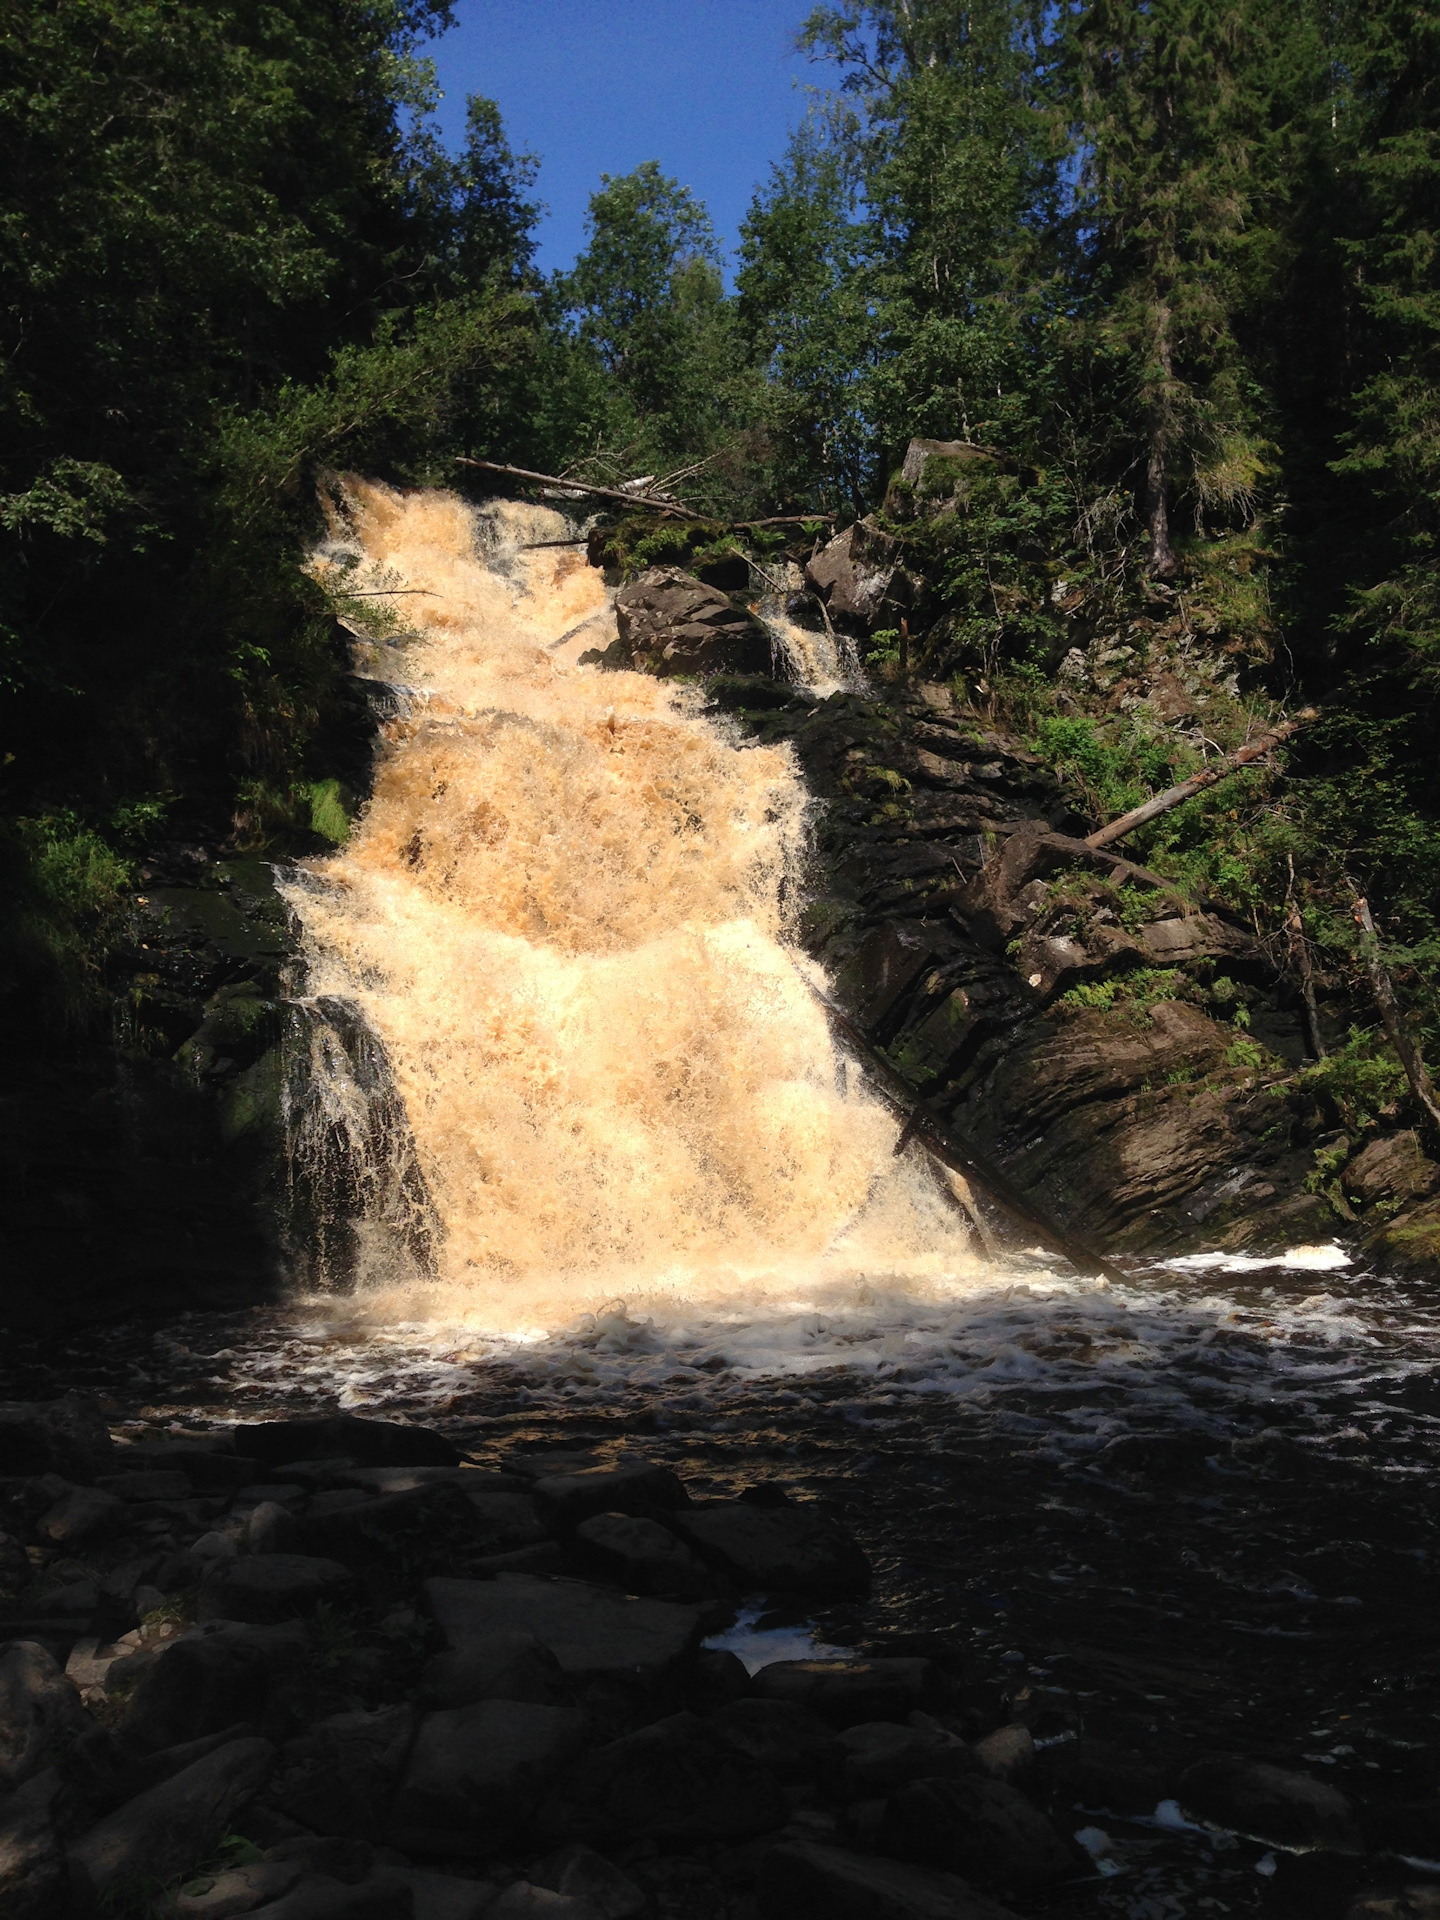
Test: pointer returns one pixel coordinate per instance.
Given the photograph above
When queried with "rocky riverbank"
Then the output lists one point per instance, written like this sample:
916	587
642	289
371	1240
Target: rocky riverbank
341	1666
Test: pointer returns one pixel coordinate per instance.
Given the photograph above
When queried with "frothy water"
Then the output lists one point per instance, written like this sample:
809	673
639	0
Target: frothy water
565	914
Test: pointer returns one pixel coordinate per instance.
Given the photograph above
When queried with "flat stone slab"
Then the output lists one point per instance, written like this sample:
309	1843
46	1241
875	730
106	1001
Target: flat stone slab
777	1549
595	1633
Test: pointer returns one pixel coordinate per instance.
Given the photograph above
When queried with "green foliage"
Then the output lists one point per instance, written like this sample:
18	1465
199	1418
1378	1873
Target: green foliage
1113	765
67	891
1357	1081
1133	992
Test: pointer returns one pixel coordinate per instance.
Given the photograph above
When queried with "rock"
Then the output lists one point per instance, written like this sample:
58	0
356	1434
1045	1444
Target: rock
337	1777
525	1901
1007	1754
719	1678
224	1673
262	1588
337	1856
33	1882
84	1513
777	1549
644	1557
594	1633
167	1829
1274	1805
976	1826
382	1895
68	1437
670	622
637	1487
802	1880
846	1692
41	1713
1394	1166
1396	1903
506	1520
14	1569
582	1874
150	1484
499	1666
879	1755
930	465
445	1896
677	1779
434	1524
477	1773
859	577
237	1890
369	1443
788	1741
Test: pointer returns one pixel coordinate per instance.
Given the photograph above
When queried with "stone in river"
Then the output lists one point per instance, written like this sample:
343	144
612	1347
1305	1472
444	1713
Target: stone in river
594	1633
634	1487
500	1666
267	1587
677	1779
1008	1753
167	1829
41	1713
802	1880
777	1549
476	1774
1276	1805
845	1692
369	1443
975	1826
644	1557
879	1755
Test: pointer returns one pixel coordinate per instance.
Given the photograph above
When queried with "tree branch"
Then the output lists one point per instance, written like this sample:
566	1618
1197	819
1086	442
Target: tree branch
1211	776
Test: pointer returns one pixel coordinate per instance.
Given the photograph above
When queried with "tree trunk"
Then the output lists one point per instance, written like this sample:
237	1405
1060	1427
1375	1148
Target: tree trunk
1396	1027
1300	954
1198	782
1163	564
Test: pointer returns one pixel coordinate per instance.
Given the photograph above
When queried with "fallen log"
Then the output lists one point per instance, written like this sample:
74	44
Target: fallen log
952	1150
1397	1028
1197	783
629	499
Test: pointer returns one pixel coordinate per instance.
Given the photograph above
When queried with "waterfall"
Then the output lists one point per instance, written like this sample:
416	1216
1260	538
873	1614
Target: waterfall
562	918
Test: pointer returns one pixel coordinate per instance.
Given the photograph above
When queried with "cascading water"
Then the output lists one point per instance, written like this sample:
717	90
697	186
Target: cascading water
563	917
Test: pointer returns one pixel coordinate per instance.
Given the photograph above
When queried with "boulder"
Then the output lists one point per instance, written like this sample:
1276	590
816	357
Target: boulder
670	622
879	1755
859	577
579	1873
933	468
719	1677
594	1633
68	1437
368	1443
83	1513
167	1829
636	1487
33	1881
432	1524
523	1900
784	1739
337	1856
338	1776
777	1549
977	1826
41	1713
1274	1805
153	1483
263	1588
1008	1753
498	1666
15	1570
211	1679
644	1557
802	1880
1393	1167
445	1896
678	1779
217	1896
382	1895
477	1773
846	1692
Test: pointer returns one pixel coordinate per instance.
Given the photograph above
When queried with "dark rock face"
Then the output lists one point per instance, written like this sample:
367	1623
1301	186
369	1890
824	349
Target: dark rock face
859	577
669	622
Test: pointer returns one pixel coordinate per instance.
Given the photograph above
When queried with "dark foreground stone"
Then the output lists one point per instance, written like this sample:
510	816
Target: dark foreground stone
777	1550
801	1880
845	1692
677	1780
1274	1804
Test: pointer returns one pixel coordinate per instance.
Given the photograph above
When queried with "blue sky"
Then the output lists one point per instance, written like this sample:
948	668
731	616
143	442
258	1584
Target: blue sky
709	88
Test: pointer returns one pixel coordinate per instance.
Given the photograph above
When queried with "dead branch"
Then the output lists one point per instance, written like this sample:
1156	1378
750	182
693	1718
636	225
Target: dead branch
631	499
1397	1028
1197	783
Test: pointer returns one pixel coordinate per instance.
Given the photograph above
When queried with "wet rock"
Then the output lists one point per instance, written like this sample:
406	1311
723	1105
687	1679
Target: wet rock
594	1633
265	1588
580	1873
1393	1167
68	1437
500	1666
802	1880
167	1829
41	1713
477	1773
644	1557
670	622
1273	1804
677	1779
978	1827
218	1896
859	577
337	1778
777	1549
637	1487
84	1513
846	1692
787	1740
337	1856
33	1881
383	1895
369	1443
1008	1753
224	1673
445	1896
880	1755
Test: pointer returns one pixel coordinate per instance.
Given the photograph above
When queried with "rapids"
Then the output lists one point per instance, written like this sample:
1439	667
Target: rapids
566	914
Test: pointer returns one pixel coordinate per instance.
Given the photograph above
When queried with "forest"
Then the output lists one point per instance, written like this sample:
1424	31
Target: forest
1171	270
